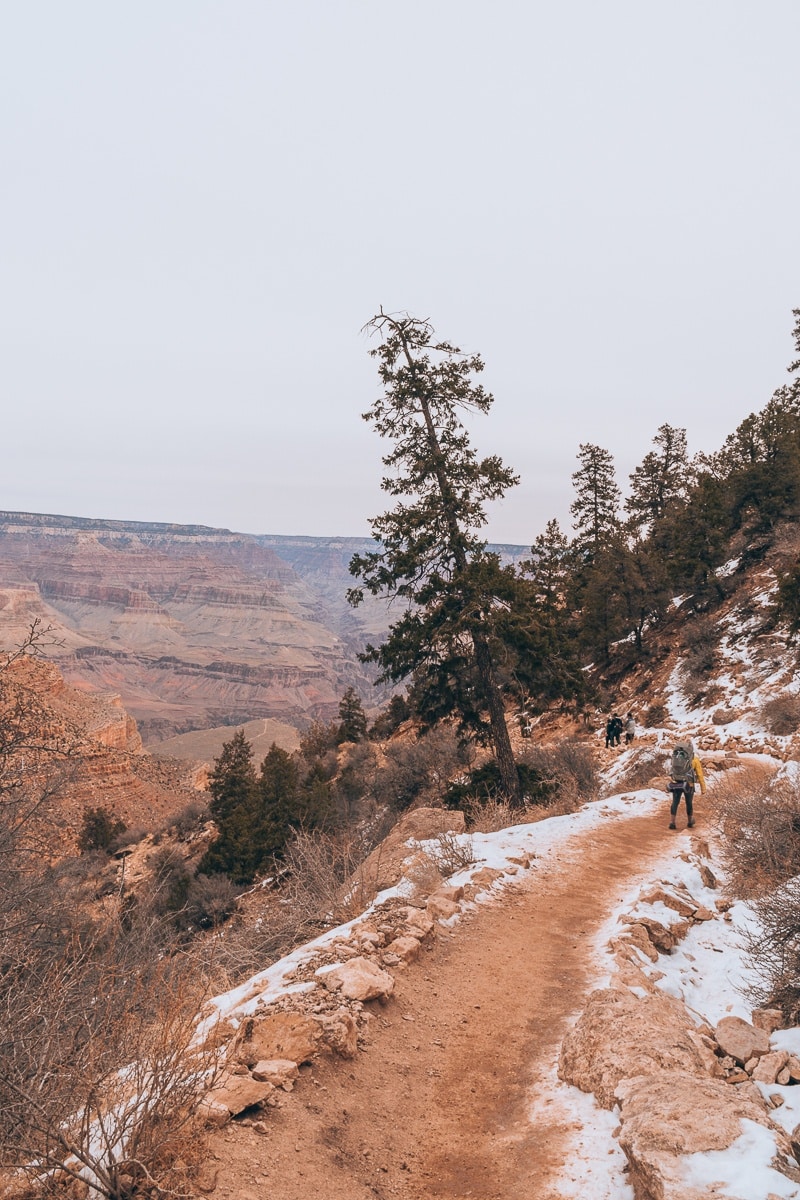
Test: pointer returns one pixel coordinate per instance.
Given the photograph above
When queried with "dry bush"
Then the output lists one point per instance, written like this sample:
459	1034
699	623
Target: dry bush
760	818
452	852
494	815
781	715
568	771
424	875
701	639
323	882
774	949
419	773
656	715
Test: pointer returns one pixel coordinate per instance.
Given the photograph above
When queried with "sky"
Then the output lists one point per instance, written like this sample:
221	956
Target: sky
202	202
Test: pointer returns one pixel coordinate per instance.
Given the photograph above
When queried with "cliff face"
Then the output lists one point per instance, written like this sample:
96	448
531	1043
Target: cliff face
192	627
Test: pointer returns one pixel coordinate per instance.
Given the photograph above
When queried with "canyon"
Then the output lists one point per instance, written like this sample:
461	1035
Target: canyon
193	628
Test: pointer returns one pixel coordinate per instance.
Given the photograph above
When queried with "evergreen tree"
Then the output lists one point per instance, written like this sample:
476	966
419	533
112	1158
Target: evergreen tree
429	553
660	480
232	780
353	727
596	503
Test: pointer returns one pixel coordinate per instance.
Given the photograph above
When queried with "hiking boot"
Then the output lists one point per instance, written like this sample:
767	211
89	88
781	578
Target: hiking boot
691	822
672	825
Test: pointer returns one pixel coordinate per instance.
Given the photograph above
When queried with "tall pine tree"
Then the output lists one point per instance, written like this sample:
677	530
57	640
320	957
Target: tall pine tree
429	553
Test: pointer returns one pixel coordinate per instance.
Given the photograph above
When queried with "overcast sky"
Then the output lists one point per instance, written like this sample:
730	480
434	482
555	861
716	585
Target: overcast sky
203	201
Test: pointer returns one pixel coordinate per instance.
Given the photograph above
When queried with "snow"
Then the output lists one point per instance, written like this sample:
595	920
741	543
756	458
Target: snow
743	1170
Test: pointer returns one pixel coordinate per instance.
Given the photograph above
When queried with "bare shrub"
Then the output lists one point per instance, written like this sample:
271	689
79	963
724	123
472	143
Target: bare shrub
569	768
452	852
781	715
322	882
420	772
494	815
774	950
424	875
656	716
190	818
701	639
760	817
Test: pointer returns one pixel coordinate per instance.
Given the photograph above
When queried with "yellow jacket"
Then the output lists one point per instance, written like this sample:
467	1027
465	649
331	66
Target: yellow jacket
697	767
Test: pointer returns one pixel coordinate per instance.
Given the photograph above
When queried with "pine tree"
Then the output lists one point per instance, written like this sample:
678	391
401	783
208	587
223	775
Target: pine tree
596	503
429	553
353	721
660	480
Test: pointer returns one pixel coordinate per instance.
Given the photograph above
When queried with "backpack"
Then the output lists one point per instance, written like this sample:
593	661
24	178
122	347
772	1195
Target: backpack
681	767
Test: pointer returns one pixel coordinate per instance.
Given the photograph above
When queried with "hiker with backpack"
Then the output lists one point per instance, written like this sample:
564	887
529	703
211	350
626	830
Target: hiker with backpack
630	729
685	771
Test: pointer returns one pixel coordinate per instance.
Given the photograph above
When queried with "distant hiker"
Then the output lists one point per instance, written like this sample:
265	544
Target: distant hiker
617	727
685	771
630	729
609	731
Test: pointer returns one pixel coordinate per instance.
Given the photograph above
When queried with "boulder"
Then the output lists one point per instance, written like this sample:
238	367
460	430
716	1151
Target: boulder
383	868
276	1071
636	935
619	1036
417	922
278	1035
441	909
339	1033
660	935
679	901
236	1093
741	1040
707	875
769	1067
674	1113
793	1067
406	948
358	979
768	1019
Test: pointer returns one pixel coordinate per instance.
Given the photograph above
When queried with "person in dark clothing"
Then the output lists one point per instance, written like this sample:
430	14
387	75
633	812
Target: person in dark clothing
609	731
617	727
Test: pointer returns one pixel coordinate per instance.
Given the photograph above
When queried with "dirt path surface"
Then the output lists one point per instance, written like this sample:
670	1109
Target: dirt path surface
442	1102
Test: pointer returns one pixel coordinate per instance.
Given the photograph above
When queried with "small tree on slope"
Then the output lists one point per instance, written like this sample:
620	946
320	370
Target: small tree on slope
430	555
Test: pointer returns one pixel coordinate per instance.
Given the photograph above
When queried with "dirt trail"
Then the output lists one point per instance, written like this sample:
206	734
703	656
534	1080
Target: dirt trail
439	1103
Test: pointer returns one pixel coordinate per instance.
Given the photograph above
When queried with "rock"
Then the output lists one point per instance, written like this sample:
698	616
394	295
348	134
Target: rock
674	1113
450	892
769	1067
768	1019
707	875
276	1071
704	914
406	948
683	904
784	1077
637	936
485	877
339	1033
441	909
278	1035
793	1067
384	866
359	979
238	1092
619	1036
740	1039
662	938
418	923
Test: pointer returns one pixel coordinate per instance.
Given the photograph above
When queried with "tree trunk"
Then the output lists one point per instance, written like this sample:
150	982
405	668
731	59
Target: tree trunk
504	755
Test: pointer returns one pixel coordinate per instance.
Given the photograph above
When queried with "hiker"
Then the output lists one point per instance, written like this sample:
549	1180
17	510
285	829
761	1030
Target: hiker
609	731
685	770
630	729
617	727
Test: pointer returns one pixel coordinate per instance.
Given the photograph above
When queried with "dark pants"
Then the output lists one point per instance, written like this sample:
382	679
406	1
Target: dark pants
687	791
